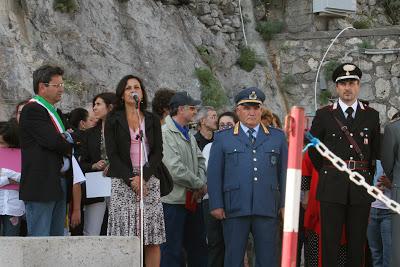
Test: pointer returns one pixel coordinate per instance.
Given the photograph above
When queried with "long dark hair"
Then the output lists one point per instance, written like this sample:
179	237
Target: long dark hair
76	116
121	89
109	99
9	132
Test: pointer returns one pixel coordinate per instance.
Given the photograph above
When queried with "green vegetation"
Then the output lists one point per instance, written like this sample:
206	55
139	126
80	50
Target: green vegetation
73	86
324	97
329	68
268	28
365	45
288	80
247	59
65	6
392	10
362	24
206	56
212	93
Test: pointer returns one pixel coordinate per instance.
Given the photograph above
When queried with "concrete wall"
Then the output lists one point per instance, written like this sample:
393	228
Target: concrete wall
69	251
296	58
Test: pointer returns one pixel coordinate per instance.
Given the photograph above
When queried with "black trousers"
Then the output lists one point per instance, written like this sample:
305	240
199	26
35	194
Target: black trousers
215	238
355	218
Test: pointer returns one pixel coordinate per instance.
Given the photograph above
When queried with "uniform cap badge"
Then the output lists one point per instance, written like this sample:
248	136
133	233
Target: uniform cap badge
253	95
347	68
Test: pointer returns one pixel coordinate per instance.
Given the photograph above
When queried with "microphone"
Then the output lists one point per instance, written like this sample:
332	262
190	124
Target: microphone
135	97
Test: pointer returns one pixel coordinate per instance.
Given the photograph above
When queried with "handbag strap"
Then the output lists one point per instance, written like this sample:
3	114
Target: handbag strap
345	130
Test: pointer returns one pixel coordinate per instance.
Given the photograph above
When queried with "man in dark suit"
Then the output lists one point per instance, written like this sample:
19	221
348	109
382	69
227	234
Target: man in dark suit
350	129
246	181
45	148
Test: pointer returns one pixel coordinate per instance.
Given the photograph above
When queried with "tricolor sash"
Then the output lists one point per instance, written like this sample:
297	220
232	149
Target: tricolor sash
59	125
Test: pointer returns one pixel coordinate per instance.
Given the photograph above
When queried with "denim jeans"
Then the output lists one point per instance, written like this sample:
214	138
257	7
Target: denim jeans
379	236
47	218
184	229
9	225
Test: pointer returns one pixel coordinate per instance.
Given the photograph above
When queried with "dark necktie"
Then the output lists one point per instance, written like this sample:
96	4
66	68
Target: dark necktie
349	119
252	139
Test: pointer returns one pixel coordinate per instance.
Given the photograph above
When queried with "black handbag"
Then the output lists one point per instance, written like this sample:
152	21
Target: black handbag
166	183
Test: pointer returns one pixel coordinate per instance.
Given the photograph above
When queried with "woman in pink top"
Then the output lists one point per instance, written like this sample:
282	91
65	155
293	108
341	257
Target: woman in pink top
11	208
123	129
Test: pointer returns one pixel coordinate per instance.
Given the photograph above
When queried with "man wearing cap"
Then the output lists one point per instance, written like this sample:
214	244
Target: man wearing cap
184	224
350	129
246	181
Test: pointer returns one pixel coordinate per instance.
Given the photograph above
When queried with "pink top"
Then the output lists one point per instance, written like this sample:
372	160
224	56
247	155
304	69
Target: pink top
135	146
10	158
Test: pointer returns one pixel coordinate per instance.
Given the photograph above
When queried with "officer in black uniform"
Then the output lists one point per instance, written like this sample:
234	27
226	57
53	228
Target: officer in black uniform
350	129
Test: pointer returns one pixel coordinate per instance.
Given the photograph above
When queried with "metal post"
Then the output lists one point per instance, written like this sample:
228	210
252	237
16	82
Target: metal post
295	133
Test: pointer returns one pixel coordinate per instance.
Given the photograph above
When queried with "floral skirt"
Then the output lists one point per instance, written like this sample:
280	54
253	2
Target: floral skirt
124	212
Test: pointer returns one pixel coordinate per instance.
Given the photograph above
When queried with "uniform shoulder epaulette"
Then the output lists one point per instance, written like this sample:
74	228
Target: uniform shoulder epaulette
394	120
273	128
222	130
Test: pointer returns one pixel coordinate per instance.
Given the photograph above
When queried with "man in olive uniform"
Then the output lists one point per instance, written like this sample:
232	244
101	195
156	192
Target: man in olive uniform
350	129
246	181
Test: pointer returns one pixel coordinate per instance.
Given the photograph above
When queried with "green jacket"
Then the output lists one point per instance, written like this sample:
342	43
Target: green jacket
184	161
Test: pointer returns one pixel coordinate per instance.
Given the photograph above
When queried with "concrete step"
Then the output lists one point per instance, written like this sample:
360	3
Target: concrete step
73	251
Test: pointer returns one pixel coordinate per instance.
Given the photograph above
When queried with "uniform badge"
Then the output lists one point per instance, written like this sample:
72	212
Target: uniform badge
347	68
253	96
366	138
273	159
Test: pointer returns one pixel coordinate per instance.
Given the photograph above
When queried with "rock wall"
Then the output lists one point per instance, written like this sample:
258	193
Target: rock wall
105	40
296	58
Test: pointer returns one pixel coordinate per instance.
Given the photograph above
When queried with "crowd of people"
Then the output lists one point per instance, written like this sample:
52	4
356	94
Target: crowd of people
213	181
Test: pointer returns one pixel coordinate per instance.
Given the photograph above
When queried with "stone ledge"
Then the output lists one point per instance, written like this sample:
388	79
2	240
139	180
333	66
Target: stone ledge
393	30
69	251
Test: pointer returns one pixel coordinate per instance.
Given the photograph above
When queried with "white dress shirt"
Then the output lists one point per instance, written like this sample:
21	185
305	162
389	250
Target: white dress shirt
344	107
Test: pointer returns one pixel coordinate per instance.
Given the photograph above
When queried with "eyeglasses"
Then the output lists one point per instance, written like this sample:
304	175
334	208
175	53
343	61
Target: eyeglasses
58	85
223	126
192	108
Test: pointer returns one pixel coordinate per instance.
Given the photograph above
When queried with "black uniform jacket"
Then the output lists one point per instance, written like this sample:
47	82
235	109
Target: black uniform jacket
42	151
118	142
335	186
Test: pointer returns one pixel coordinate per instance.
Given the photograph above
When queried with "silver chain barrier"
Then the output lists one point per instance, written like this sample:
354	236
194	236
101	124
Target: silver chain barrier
356	177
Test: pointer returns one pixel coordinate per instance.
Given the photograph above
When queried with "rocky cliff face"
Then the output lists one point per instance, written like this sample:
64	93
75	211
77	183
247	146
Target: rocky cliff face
105	40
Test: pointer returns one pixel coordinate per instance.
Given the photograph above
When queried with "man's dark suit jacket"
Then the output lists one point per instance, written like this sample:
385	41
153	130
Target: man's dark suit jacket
118	143
42	151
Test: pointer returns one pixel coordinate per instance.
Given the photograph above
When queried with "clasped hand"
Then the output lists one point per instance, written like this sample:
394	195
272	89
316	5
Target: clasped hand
135	184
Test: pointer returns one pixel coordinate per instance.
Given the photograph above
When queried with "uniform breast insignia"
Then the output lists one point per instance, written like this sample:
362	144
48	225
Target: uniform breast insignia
274	159
365	133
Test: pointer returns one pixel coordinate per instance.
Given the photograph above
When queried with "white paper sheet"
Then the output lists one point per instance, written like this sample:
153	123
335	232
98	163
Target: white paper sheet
97	185
79	177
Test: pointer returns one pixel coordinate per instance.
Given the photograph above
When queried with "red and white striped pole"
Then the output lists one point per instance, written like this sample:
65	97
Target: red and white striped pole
295	131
